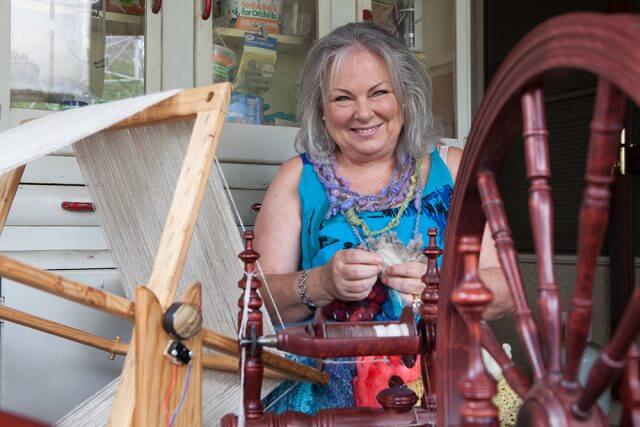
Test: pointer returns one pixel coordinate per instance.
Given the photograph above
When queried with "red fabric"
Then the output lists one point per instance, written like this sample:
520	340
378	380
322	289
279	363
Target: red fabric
373	377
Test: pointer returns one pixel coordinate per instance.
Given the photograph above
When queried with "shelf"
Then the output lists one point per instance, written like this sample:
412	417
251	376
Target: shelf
239	34
420	55
123	17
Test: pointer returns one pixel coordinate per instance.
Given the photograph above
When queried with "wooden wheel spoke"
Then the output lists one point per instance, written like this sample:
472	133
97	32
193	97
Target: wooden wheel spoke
606	125
514	376
494	211
541	213
612	358
631	389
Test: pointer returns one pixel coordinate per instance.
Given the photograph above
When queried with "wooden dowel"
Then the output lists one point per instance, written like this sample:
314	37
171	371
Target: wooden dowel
514	376
230	364
65	288
62	331
8	187
230	346
183	105
209	361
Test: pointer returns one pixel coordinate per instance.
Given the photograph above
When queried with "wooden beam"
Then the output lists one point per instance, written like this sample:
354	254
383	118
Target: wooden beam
122	307
191	412
8	187
62	331
184	105
65	288
177	234
209	361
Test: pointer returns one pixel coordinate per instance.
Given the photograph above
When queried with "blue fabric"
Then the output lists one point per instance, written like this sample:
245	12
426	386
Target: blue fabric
320	238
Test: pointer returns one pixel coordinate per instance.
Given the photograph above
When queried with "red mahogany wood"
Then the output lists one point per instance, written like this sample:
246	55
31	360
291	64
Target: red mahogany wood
347	417
612	358
534	134
526	327
514	376
472	297
428	319
606	125
630	390
605	45
253	367
299	340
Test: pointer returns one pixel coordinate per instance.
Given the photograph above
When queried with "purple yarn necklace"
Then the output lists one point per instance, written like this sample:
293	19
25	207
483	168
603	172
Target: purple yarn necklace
342	198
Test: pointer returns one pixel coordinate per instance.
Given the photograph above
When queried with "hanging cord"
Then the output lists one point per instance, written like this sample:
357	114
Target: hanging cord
183	395
167	396
239	218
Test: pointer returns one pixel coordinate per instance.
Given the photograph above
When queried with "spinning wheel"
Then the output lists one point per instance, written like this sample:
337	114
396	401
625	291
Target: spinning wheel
607	47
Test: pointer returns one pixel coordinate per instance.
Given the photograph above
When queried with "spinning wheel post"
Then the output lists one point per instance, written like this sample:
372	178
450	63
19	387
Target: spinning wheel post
471	298
252	351
428	320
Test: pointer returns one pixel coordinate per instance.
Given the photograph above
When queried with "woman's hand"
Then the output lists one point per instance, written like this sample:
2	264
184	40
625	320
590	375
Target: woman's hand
406	278
351	274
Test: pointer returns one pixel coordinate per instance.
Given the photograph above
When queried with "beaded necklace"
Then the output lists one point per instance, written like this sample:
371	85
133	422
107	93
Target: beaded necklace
403	187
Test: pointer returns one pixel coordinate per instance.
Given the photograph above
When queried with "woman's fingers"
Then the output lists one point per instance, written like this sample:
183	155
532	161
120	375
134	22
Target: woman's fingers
408	269
406	277
356	290
360	271
408	285
358	256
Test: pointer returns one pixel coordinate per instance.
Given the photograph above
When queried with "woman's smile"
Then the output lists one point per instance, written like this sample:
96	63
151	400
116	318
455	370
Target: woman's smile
365	132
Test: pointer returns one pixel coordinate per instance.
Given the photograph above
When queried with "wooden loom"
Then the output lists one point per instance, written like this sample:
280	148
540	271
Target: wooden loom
603	45
148	370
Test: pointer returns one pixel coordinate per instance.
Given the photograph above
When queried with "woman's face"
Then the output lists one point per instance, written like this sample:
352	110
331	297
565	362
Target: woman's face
362	114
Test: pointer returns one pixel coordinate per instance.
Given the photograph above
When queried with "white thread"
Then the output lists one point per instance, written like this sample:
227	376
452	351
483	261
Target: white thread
392	330
245	304
287	391
239	218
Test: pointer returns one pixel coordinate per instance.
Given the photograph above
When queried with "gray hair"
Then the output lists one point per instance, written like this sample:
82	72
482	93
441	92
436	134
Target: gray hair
410	79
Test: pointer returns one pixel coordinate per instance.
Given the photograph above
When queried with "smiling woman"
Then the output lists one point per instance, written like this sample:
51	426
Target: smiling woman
369	176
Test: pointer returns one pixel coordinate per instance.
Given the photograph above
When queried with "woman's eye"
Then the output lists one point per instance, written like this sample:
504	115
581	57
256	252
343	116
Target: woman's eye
380	92
341	98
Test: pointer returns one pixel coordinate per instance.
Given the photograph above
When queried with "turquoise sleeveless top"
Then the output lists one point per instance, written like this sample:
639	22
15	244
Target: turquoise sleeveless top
320	238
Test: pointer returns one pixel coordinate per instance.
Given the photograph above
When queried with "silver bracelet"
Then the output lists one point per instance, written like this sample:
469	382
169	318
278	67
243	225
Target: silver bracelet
302	291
